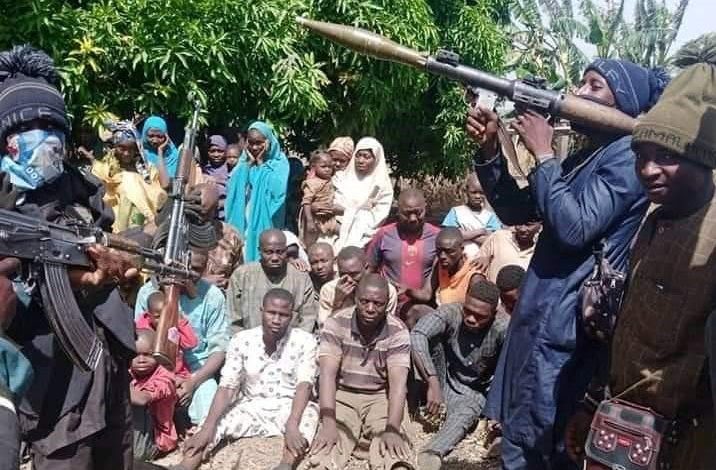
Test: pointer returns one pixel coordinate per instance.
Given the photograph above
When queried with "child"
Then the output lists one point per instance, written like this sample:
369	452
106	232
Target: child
217	169
509	280
474	221
153	396
318	188
187	338
233	152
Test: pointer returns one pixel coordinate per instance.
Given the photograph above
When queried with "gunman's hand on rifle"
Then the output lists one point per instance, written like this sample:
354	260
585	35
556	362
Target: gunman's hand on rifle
536	134
482	124
187	286
110	267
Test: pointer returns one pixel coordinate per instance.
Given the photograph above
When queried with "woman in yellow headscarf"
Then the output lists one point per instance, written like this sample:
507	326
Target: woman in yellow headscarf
134	189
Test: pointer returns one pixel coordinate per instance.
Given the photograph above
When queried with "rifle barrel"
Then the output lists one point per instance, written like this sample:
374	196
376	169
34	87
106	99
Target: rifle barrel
165	347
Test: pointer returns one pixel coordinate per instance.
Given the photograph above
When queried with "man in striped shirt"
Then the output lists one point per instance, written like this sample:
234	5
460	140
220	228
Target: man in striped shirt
364	359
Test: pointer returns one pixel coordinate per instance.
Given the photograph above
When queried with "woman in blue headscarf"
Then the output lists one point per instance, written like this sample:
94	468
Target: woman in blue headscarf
158	146
256	193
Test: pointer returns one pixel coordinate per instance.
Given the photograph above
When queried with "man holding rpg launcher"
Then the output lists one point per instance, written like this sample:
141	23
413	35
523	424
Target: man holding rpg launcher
593	196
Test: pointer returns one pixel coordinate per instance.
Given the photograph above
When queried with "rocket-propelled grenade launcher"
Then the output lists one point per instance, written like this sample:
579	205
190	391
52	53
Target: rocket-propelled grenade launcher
447	64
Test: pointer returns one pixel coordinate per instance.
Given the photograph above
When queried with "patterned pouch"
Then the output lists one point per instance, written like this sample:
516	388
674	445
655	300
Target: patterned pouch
627	436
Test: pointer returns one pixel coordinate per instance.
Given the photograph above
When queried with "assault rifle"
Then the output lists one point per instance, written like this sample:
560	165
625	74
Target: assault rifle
447	64
176	249
47	250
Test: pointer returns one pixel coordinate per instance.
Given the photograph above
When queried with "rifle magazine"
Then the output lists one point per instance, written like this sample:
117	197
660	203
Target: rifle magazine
76	337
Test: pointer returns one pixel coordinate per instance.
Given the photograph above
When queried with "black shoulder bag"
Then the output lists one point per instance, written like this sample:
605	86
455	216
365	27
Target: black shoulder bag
602	295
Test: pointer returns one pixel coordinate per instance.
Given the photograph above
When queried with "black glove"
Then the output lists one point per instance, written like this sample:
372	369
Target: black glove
8	192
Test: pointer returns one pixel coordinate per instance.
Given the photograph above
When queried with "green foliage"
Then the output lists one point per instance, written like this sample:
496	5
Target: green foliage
648	40
547	35
473	30
605	24
247	60
544	41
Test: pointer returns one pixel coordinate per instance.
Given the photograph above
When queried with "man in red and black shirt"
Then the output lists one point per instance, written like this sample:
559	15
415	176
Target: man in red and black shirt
404	252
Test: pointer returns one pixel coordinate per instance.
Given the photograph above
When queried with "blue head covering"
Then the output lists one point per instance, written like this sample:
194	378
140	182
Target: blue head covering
171	154
635	88
261	188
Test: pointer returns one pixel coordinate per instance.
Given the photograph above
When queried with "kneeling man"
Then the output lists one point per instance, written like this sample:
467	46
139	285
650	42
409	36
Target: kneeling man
364	362
272	369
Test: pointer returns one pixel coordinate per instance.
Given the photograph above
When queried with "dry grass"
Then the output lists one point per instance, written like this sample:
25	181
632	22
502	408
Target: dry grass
264	454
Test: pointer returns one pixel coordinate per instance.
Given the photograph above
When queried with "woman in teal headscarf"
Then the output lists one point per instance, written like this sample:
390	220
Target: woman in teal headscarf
157	145
256	192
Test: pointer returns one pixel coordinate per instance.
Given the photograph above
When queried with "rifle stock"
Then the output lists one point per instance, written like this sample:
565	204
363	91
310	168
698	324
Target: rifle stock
167	337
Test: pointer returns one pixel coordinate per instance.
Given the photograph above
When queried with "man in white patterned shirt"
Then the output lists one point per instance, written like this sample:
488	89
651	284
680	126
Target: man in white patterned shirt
272	369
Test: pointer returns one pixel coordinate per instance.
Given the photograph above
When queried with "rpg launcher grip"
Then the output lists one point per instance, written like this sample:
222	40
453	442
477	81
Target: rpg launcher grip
46	251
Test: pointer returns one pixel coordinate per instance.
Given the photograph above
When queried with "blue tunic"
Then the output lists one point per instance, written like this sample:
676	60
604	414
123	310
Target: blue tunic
207	316
547	362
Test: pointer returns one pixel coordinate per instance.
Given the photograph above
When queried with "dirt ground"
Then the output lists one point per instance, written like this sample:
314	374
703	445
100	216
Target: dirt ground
264	454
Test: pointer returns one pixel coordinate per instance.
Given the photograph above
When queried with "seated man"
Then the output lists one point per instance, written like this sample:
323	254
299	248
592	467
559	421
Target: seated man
250	283
452	274
510	246
509	280
339	294
469	338
364	360
321	259
271	369
205	307
404	252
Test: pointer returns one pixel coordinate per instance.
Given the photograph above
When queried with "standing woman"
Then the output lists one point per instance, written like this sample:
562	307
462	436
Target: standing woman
256	192
158	145
133	191
363	196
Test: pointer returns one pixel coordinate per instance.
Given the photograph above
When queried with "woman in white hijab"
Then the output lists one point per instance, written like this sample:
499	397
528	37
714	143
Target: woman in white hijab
364	194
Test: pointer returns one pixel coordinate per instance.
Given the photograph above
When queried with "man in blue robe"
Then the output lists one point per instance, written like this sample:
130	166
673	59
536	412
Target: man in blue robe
593	195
